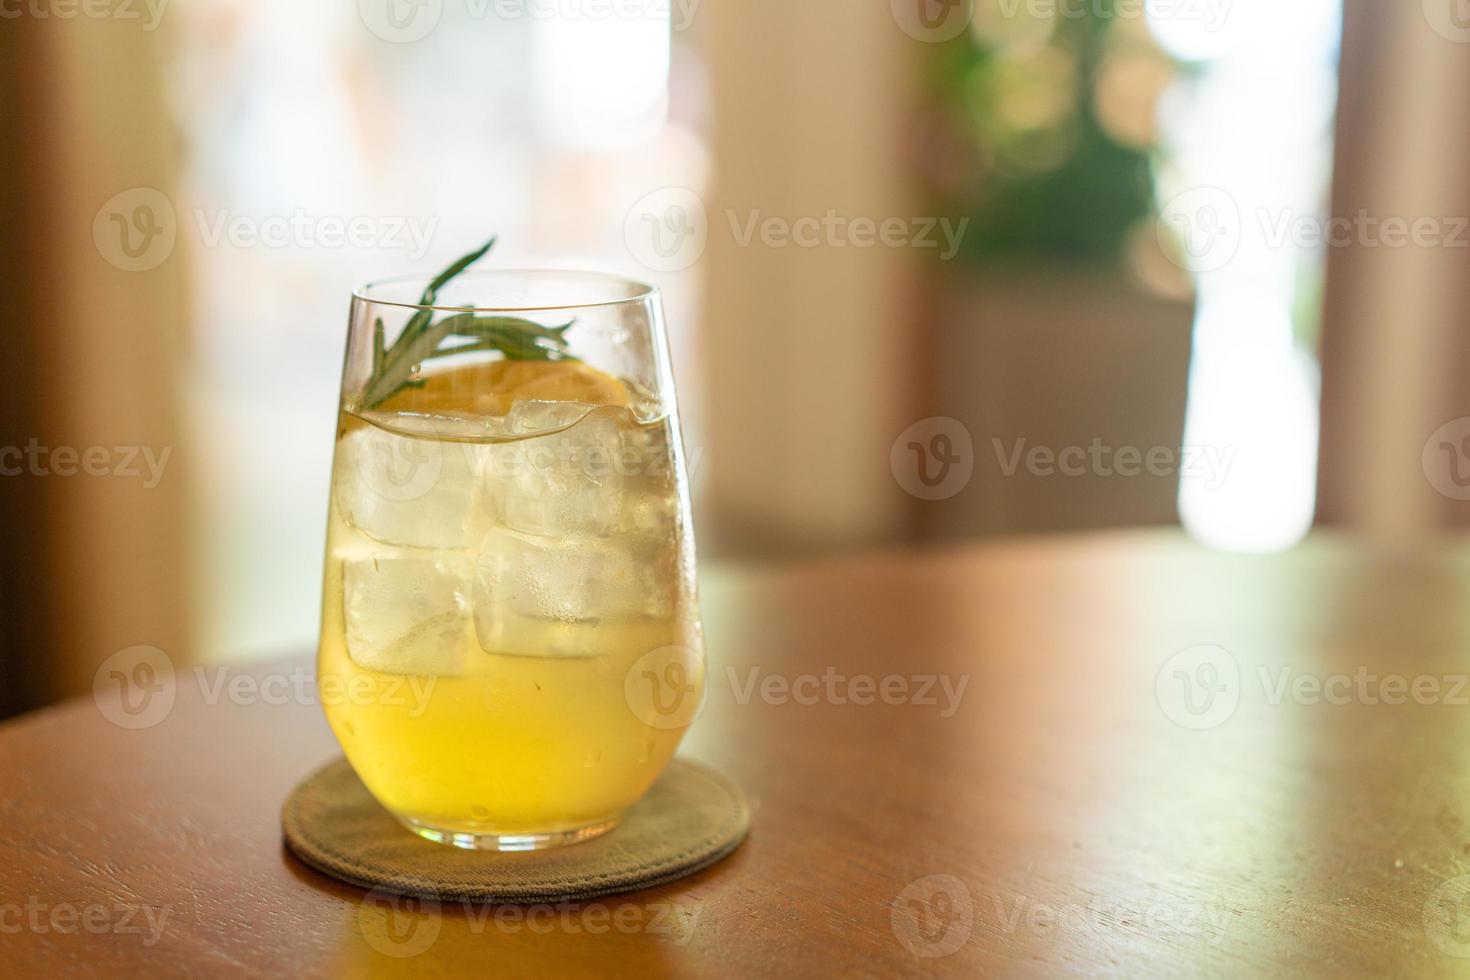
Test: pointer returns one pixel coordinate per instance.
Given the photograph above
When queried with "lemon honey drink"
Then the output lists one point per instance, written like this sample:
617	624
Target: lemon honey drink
510	648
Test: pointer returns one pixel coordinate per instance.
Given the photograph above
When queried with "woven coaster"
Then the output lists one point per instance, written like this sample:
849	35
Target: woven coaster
691	818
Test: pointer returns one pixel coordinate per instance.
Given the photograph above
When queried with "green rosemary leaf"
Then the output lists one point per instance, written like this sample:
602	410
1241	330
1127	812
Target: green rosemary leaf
470	325
423	339
518	340
518	345
420	320
440	281
514	349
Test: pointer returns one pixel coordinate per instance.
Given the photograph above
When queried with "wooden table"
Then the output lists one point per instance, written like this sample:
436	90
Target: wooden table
1127	785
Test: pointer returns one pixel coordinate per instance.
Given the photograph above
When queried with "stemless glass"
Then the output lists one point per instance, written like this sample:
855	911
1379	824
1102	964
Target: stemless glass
510	647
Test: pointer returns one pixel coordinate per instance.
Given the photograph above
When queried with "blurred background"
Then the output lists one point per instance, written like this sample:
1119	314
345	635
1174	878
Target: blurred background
935	271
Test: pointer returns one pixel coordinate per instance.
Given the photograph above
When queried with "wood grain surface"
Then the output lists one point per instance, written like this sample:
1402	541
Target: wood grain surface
1109	756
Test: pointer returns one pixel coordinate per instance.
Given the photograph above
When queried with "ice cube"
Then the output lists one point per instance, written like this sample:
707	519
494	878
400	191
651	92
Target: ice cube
537	596
652	518
407	611
558	482
531	417
403	490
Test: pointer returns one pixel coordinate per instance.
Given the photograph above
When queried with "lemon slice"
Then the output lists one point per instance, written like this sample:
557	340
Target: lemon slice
491	388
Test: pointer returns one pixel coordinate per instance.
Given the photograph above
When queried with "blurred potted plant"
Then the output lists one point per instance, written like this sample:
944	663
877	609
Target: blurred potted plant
1062	320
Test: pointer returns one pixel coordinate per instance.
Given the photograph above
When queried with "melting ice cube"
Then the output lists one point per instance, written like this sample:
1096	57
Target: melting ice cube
559	482
405	490
542	597
407	613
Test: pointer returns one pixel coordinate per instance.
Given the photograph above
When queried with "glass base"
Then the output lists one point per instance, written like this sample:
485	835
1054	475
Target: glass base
472	841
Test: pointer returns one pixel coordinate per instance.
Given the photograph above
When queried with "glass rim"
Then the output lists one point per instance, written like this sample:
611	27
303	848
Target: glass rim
636	290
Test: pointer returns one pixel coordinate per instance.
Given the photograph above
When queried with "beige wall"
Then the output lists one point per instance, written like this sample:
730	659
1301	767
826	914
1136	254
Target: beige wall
809	351
1396	359
105	345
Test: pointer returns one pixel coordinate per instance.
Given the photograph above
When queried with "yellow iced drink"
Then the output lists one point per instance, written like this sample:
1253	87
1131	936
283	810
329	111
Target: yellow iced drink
509	634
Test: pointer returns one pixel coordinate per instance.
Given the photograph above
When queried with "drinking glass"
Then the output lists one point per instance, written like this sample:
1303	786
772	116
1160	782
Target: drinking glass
510	646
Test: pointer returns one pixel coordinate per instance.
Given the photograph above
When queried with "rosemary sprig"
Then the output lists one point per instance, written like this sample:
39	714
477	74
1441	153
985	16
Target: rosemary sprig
424	338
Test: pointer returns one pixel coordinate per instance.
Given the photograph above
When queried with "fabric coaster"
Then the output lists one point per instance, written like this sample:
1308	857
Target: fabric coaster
691	818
